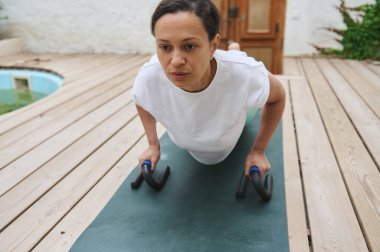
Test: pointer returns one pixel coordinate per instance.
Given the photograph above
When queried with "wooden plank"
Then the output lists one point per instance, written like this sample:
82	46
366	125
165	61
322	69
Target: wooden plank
363	118
360	173
295	205
116	86
374	67
42	60
326	194
289	77
291	67
62	64
16	171
16	59
27	230
65	93
369	94
24	194
91	65
68	230
367	74
36	61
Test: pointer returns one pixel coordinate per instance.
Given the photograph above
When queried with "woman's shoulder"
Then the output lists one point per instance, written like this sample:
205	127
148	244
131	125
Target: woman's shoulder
234	57
147	78
150	69
153	62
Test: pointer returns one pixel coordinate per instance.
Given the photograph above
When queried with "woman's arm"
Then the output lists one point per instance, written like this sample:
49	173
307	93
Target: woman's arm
270	118
153	152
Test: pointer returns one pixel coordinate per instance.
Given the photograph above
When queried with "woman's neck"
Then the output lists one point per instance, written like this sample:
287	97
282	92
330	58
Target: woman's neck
208	78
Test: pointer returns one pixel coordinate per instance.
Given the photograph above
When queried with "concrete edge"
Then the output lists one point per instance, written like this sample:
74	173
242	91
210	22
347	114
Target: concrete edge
11	46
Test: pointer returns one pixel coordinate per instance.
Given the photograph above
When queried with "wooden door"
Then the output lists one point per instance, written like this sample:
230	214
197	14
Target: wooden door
223	6
258	25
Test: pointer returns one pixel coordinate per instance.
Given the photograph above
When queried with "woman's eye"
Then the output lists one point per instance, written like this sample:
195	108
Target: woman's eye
190	47
164	47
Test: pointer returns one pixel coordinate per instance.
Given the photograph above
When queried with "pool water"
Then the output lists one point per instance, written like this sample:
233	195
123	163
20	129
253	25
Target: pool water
20	87
12	99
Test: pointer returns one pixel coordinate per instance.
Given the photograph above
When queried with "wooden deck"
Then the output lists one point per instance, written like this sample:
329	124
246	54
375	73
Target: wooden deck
63	157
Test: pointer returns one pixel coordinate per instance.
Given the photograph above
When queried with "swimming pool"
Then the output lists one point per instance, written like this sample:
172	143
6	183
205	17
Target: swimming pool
20	87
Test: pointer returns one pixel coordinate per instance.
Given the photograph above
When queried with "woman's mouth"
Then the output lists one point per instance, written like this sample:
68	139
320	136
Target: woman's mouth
178	76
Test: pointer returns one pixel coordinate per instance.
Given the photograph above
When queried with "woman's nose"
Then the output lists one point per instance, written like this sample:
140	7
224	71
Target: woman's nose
177	59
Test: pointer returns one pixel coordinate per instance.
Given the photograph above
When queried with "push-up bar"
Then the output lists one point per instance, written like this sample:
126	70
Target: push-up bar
147	175
263	189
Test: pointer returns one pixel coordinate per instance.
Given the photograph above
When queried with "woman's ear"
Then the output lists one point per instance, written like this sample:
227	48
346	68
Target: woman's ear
215	44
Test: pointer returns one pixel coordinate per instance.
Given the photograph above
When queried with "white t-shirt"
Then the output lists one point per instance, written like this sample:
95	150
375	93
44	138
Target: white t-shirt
208	123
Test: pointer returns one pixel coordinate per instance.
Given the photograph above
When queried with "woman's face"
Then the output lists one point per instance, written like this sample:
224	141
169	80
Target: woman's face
184	50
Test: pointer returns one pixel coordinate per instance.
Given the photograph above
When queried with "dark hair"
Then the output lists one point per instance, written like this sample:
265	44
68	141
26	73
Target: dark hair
204	9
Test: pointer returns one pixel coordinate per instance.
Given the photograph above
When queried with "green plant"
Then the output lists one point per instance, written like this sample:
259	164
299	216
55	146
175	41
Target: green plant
361	38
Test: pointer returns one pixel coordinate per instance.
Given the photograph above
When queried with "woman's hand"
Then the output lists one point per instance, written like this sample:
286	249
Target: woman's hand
153	154
259	159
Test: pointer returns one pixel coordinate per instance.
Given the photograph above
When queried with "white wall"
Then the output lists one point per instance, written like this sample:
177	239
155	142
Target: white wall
305	20
122	26
118	26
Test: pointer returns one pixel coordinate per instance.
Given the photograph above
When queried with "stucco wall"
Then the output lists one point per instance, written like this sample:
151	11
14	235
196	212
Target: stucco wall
122	26
81	25
305	20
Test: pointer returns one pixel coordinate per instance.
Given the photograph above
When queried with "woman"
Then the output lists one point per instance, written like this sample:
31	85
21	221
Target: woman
200	94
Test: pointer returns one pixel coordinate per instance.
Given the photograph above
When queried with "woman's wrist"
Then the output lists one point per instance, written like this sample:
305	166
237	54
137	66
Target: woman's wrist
258	149
155	145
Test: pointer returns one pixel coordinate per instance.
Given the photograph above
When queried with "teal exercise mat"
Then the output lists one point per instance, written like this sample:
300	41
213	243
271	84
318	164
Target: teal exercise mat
197	209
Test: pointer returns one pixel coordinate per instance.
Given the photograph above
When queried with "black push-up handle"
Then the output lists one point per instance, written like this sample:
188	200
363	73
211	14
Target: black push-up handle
147	175
242	186
263	189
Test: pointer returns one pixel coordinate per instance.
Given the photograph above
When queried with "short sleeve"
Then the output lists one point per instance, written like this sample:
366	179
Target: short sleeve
137	91
141	90
259	87
142	94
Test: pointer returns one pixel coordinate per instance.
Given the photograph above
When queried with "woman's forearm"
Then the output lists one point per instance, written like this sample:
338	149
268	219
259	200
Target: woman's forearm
270	118
149	123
